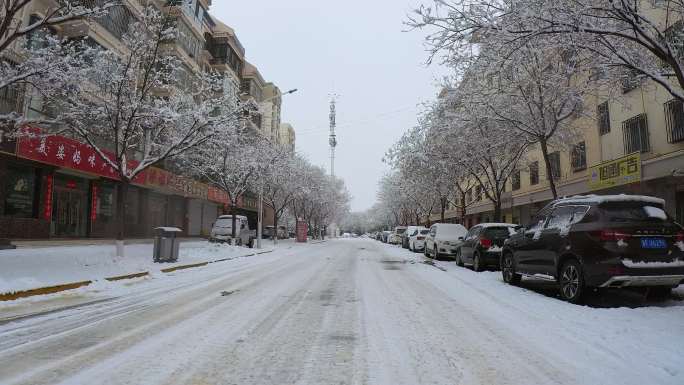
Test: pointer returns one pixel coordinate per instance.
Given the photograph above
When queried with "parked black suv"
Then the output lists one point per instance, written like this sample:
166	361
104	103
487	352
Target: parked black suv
483	244
593	241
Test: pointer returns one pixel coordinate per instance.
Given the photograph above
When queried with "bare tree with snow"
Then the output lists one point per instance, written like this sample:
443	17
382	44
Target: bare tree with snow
139	108
626	39
32	59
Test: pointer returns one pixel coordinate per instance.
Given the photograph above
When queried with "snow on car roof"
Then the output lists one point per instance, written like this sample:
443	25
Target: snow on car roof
169	229
612	198
229	216
486	225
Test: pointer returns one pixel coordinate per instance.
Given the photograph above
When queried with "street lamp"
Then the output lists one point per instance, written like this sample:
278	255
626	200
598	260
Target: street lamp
260	215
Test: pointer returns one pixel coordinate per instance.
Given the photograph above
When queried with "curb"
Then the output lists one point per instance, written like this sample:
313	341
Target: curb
11	296
42	290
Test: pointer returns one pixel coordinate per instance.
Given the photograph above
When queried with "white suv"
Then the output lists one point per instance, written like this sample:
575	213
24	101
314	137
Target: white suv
444	239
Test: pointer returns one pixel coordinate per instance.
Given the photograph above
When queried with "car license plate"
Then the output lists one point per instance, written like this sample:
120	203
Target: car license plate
653	243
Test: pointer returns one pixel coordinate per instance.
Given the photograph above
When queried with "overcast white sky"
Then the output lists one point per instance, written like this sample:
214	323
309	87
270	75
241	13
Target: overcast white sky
354	48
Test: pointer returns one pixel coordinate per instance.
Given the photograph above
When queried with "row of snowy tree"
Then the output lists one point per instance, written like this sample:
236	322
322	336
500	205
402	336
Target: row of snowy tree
522	71
140	106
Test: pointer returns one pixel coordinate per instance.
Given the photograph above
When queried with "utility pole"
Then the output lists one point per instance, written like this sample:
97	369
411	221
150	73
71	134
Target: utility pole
333	143
333	138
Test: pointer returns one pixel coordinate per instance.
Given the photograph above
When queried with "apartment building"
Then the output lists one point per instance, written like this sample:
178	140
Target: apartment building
635	145
270	112
287	136
57	197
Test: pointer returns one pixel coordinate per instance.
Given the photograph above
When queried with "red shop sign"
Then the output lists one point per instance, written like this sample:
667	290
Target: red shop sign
68	153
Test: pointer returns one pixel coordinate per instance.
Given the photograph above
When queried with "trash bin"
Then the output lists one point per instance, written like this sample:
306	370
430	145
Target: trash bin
166	244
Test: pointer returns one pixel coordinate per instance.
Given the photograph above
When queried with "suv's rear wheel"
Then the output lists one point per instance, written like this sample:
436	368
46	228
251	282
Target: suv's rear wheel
477	262
459	258
435	252
571	281
508	270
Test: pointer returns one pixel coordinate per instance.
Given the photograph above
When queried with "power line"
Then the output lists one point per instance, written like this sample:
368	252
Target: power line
371	119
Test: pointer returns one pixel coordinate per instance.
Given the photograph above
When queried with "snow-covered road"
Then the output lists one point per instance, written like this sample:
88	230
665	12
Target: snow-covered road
340	312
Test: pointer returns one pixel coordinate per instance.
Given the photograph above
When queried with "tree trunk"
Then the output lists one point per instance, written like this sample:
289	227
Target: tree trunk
463	207
497	211
121	217
549	173
275	227
233	212
442	203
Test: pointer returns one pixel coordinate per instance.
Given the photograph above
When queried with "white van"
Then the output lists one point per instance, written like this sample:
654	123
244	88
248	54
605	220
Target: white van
222	230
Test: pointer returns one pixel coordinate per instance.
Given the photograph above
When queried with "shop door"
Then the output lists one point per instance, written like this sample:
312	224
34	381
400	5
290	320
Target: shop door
70	213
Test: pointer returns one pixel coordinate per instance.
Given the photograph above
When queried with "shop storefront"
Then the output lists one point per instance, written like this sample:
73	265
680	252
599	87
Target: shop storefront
58	187
21	193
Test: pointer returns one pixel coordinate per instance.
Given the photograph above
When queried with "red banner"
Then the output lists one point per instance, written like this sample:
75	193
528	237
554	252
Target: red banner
49	181
69	153
93	204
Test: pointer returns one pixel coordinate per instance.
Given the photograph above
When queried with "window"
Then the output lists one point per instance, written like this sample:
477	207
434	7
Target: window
469	195
10	99
478	193
473	232
554	159
105	202
20	192
538	221
534	173
579	156
635	131
117	20
673	36
36	38
245	86
631	79
515	180
187	39
674	120
560	218
603	116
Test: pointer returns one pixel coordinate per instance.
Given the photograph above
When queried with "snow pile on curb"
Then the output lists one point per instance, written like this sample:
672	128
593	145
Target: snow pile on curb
23	269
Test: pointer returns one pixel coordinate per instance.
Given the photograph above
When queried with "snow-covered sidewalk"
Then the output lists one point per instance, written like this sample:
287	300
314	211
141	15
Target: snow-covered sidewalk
30	268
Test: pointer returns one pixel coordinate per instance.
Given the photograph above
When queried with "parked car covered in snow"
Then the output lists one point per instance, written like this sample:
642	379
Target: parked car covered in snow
483	244
611	241
443	239
395	237
417	239
405	236
222	230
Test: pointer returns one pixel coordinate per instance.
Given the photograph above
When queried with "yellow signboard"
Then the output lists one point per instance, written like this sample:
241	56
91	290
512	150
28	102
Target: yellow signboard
616	172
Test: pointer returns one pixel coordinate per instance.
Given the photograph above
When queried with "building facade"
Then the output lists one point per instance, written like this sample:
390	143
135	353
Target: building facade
287	136
57	187
634	145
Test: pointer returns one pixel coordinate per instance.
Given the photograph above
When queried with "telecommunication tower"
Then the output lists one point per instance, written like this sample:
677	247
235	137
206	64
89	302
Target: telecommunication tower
333	138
